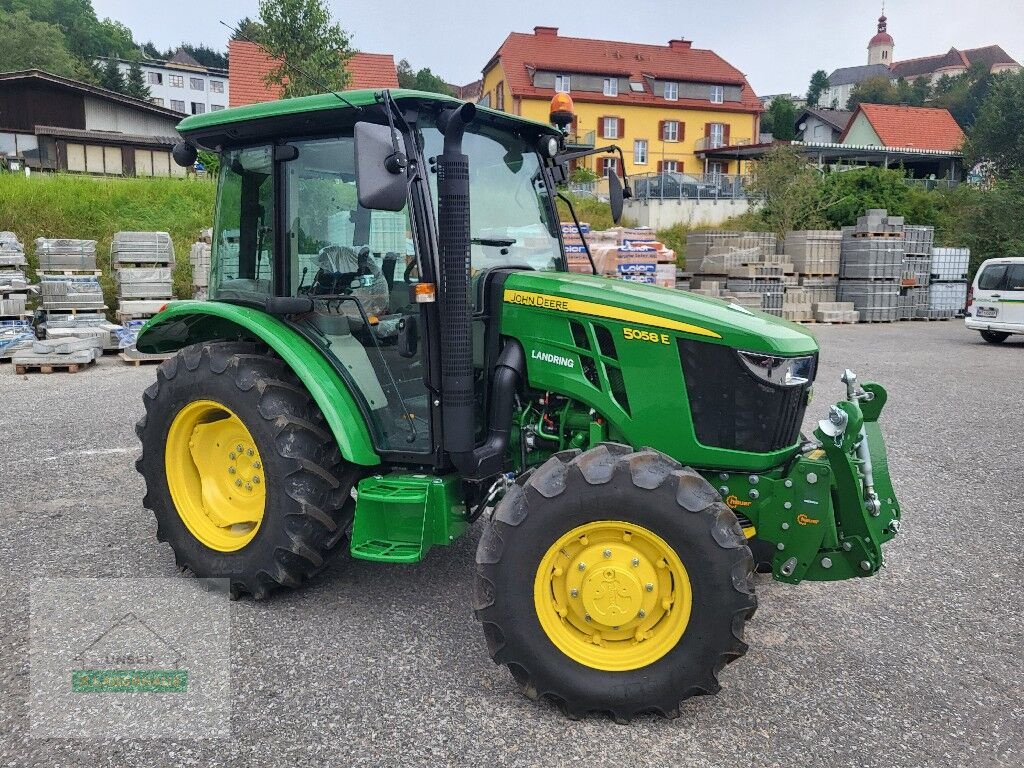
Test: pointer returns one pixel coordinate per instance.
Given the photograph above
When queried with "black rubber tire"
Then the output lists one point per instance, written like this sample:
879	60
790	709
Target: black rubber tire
612	482
308	509
994	337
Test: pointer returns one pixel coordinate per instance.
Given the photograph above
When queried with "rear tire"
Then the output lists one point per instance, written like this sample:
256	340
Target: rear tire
994	337
630	494
307	510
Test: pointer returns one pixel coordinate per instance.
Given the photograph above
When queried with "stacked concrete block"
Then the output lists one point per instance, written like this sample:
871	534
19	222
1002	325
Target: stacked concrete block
200	258
871	266
797	305
86	325
835	312
14	285
142	263
69	281
71	293
814	252
820	289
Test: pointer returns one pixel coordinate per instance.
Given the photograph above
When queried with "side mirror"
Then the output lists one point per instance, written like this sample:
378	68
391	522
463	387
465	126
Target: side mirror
615	196
381	182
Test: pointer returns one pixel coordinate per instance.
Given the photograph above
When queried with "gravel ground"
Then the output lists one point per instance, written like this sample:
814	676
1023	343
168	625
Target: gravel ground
378	665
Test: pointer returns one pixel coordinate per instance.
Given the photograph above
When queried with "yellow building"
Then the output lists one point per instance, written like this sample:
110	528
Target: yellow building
662	105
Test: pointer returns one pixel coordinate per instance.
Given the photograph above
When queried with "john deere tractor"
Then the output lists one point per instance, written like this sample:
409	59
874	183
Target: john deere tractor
393	348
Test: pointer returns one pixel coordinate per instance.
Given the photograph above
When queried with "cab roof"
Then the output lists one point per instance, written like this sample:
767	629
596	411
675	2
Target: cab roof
324	106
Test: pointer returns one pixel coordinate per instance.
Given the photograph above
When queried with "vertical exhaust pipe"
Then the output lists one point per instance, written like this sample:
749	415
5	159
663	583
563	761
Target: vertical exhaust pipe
454	245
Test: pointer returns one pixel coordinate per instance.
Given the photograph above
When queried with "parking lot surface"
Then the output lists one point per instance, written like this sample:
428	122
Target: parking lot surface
385	665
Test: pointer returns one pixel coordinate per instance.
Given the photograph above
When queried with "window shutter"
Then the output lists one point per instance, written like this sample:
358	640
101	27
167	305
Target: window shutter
661	166
682	131
661	131
622	127
600	127
725	134
707	130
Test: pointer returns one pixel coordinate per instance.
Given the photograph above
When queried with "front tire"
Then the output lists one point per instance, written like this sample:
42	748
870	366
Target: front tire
614	581
994	337
243	476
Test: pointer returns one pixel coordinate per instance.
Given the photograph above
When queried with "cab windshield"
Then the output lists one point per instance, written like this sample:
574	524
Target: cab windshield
511	220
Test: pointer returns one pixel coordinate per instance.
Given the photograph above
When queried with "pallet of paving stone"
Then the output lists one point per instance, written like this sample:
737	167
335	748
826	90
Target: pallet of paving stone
65	253
141	248
51	362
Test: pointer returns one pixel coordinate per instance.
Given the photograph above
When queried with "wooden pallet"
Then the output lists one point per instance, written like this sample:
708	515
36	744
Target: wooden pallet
23	368
74	310
933	319
881	235
69	272
137	361
830	322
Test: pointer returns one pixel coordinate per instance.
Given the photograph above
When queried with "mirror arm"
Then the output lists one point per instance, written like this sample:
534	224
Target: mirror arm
576	220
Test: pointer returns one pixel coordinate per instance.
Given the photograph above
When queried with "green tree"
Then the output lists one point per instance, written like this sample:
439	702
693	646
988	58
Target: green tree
30	44
421	80
247	29
964	94
818	86
85	35
997	136
874	90
111	77
790	190
782	119
135	82
311	48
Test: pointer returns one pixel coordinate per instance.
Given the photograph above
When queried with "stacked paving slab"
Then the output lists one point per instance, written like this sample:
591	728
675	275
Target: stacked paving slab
871	266
742	267
814	254
70	354
200	257
69	282
917	257
947	287
15	326
142	263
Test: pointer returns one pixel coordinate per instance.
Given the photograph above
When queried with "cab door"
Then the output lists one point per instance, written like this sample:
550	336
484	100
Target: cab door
1011	298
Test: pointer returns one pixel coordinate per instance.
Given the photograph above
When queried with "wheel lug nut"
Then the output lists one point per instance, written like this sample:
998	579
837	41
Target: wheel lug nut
238	483
641	613
249	452
231	470
248	486
231	455
607	553
649	587
636	562
582	566
587	617
238	447
256	479
255	465
574	592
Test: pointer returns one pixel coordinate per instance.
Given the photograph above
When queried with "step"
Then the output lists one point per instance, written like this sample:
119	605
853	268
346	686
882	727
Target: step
401	515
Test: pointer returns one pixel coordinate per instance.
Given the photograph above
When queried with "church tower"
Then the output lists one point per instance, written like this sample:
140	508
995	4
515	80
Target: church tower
881	45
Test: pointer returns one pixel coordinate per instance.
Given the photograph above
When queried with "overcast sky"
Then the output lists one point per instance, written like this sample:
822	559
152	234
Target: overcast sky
776	44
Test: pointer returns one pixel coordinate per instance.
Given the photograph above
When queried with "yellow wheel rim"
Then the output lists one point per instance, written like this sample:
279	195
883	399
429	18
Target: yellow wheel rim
215	475
612	596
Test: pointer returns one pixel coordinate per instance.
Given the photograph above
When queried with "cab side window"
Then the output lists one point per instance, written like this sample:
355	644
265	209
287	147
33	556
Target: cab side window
1014	278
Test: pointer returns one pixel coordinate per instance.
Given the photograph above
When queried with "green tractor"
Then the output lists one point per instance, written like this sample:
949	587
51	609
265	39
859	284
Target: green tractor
393	348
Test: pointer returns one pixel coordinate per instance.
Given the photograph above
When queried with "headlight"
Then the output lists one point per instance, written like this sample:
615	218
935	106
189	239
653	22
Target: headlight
780	371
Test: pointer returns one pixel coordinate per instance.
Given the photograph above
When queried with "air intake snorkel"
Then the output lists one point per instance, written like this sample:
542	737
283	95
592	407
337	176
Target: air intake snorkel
453	288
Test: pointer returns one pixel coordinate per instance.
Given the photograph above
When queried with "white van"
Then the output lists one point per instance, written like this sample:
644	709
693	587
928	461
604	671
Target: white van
995	303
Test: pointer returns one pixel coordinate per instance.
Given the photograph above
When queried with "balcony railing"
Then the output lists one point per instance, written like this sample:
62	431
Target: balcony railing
685	186
715	142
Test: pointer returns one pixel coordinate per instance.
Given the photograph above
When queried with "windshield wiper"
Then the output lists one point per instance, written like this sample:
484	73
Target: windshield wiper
497	242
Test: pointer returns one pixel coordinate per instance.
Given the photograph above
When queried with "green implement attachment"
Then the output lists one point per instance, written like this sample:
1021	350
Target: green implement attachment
400	516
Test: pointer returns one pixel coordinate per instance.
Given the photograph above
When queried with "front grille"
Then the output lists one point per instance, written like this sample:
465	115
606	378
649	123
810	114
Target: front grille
732	408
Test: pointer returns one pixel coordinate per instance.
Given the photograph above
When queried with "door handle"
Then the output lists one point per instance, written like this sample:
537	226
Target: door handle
996	296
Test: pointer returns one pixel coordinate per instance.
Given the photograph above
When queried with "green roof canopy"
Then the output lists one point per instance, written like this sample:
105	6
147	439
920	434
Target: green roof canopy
330	102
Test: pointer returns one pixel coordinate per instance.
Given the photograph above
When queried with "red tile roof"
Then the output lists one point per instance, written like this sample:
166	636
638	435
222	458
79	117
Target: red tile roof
522	54
248	64
918	127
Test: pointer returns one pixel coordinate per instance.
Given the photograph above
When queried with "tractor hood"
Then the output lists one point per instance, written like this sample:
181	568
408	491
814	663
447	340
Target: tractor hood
683	313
